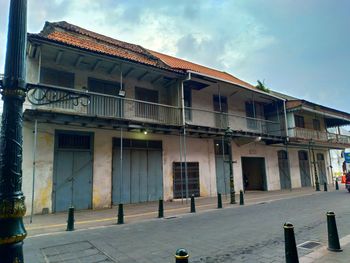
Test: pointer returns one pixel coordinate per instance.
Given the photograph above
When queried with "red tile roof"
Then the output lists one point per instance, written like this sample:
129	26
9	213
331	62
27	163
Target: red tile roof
68	34
178	63
71	35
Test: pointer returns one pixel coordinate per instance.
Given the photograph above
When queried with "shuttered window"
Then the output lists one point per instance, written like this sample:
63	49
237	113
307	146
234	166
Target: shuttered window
57	77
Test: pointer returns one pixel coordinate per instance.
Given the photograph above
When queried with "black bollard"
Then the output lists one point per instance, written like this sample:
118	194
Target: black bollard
181	256
241	198
336	184
120	214
70	221
333	238
160	209
219	201
325	187
291	251
193	205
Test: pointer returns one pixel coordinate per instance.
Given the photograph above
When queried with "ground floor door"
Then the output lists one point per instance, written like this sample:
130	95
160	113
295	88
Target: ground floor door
183	185
137	171
222	167
284	171
72	184
254	173
321	165
304	166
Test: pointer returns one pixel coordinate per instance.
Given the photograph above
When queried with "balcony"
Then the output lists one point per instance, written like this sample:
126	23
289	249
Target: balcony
321	136
105	106
236	122
108	106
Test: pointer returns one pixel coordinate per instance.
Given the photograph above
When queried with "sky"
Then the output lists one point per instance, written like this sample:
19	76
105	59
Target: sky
297	47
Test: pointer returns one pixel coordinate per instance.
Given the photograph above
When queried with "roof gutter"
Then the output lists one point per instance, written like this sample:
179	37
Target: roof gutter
229	82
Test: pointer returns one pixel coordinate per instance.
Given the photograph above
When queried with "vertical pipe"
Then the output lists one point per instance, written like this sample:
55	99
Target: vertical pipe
330	165
181	172
312	170
222	143
285	120
185	160
289	167
121	165
34	162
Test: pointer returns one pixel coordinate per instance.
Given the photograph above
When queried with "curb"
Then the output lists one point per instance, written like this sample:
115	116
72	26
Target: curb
322	251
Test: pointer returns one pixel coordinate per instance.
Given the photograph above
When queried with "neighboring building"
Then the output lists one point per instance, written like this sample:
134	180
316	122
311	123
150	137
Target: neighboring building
114	149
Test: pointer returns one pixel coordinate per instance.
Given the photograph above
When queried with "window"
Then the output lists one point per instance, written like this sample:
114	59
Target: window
317	125
220	105
104	86
250	113
145	110
105	105
57	78
299	121
188	103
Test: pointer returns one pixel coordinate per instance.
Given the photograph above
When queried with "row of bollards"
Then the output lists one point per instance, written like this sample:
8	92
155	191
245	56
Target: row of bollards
291	252
120	220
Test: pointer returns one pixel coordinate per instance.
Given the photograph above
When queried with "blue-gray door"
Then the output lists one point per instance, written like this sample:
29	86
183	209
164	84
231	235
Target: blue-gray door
222	167
321	168
72	172
222	174
141	179
304	166
283	165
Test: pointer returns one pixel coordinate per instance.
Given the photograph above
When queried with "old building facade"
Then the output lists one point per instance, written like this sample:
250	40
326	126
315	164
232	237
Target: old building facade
109	122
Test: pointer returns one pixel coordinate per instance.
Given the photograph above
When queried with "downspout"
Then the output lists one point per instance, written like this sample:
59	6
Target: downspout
285	120
184	130
34	163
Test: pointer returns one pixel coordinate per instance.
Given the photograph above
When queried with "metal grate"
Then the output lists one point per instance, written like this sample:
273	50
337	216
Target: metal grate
180	180
82	251
309	245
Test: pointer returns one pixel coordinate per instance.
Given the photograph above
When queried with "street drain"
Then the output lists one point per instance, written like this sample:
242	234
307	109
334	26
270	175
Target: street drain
170	217
82	251
309	244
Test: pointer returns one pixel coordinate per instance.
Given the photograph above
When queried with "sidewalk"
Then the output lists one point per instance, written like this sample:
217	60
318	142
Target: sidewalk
323	255
44	224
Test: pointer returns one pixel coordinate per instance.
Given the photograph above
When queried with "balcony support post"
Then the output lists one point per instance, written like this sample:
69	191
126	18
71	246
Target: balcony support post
317	184
228	138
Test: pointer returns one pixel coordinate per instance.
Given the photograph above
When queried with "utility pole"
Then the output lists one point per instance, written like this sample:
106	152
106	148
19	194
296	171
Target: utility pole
13	89
228	138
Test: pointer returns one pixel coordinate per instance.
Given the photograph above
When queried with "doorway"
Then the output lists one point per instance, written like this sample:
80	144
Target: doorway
283	166
305	176
254	173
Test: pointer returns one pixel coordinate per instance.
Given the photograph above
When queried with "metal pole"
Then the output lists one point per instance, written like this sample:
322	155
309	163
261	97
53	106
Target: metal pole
289	168
315	169
121	165
181	174
330	165
222	143
12	205
34	162
228	136
185	160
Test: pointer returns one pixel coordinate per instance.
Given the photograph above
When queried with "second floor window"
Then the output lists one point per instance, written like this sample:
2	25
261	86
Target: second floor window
57	78
317	125
299	121
188	103
146	110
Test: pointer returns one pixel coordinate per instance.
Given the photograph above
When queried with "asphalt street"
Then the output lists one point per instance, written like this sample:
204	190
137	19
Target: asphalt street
233	234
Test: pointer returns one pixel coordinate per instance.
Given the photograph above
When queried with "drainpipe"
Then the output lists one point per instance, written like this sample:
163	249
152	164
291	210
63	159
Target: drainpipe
285	120
330	165
34	163
184	130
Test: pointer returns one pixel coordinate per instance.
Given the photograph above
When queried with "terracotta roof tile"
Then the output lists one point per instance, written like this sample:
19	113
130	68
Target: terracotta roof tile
68	34
178	63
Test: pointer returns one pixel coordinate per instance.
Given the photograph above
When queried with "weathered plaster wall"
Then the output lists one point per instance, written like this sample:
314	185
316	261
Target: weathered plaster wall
198	150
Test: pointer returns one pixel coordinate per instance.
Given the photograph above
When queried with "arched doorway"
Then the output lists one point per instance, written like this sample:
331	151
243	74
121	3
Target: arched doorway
283	165
304	166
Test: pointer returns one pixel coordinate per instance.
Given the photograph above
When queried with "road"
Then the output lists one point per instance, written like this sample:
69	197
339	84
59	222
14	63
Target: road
234	234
